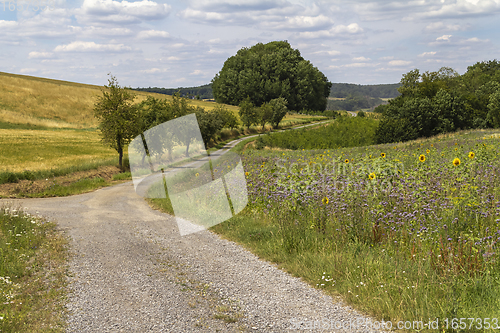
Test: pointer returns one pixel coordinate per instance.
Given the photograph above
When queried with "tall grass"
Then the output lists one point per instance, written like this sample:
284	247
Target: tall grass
343	132
399	231
32	273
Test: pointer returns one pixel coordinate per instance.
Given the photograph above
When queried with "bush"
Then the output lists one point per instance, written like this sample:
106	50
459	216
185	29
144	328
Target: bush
361	114
394	130
344	132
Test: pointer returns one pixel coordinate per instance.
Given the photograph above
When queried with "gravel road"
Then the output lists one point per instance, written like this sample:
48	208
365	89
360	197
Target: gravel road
131	271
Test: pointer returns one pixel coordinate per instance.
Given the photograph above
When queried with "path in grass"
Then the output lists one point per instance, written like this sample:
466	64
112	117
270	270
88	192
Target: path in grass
131	271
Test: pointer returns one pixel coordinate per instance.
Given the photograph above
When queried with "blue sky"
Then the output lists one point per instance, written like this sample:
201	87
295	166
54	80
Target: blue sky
185	43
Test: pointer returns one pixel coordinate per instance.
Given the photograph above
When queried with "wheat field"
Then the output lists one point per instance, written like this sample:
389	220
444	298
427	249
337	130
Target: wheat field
58	104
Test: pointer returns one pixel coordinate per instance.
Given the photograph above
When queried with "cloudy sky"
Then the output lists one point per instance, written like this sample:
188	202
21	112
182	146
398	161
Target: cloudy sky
185	43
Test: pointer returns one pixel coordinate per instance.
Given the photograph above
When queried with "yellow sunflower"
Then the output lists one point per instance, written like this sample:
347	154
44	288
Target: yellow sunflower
382	154
246	173
427	151
325	201
372	176
456	161
197	174
346	160
422	158
471	155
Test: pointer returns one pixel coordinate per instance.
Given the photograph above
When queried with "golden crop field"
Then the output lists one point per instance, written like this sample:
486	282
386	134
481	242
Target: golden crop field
58	104
36	150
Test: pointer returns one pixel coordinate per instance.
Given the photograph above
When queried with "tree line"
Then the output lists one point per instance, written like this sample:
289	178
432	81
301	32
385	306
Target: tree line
443	101
120	120
201	92
353	103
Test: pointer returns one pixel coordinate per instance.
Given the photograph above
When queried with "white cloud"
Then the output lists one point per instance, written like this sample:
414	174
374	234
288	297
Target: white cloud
111	11
399	63
337	31
8	24
358	64
148	34
153	70
361	59
40	55
92	31
425	54
444	37
460	8
80	46
28	70
199	16
476	40
300	23
441	27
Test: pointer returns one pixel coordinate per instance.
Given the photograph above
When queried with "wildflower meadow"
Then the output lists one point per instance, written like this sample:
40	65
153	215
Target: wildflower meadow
404	231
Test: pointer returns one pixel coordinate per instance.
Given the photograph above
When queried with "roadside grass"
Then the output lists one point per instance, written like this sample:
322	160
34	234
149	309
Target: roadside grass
399	236
343	132
80	186
398	230
33	273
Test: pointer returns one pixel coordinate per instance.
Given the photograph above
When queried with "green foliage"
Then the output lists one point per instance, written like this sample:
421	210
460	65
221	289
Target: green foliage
342	90
380	108
354	103
210	124
227	116
279	110
117	116
440	102
248	113
201	92
344	132
361	114
265	114
494	109
268	71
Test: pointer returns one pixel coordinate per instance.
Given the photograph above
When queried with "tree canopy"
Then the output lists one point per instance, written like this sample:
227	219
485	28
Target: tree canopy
118	117
443	101
269	71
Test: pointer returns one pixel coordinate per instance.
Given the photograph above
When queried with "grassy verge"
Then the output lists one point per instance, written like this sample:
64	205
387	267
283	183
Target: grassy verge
404	232
32	274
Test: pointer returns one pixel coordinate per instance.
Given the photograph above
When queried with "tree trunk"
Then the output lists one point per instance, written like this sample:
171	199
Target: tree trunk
187	150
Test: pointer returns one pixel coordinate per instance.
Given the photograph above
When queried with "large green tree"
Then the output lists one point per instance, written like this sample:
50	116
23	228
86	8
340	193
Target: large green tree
118	118
268	71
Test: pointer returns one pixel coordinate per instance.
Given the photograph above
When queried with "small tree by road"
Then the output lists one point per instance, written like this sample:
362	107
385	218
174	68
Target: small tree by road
118	118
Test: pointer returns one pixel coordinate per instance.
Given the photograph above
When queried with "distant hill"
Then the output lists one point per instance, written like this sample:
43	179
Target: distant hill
201	92
343	90
339	90
36	101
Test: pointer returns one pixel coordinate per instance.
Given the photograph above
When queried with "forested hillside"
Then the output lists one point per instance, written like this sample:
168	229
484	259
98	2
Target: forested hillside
201	92
343	90
338	90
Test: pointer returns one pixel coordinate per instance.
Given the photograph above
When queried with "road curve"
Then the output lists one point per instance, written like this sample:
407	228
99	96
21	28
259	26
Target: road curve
131	271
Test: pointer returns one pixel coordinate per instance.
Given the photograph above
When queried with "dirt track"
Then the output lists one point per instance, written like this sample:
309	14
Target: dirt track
133	272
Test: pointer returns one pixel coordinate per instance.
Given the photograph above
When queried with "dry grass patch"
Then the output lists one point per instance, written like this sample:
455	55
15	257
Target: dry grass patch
60	104
48	149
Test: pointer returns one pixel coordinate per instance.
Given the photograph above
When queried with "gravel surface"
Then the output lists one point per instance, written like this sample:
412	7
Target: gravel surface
131	271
